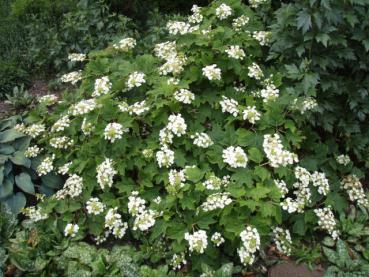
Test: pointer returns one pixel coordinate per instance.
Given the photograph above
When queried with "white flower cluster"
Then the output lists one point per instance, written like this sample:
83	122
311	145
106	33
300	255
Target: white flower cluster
251	114
125	44
184	95
239	22
212	72
215	183
64	169
215	201
326	221
165	50
178	27
282	186
165	157
198	241
257	3
196	17
282	240
303	197
177	125
262	37
61	124
165	136
223	11
83	107
145	218
94	206
178	261
275	152
102	86
114	223
87	127
114	131
136	79
217	239
255	71
235	157
177	179
202	140
34	214
46	166
148	153
73	187
137	108
105	173
235	52
61	142
343	159
229	105
76	57
71	230
35	130
308	104
250	244
321	182
20	128
48	99
32	151
174	64
72	77
269	93
355	191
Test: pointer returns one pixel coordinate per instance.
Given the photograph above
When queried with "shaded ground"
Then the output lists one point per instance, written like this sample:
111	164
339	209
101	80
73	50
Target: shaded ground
290	269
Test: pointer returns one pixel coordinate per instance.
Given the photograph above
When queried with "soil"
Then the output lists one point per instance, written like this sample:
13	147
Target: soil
290	269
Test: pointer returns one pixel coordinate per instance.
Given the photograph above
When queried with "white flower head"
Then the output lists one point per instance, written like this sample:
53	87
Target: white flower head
212	72
136	79
71	230
235	157
102	86
223	11
198	241
114	131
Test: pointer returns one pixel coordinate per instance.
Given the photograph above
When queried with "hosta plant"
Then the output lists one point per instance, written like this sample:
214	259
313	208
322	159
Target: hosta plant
190	152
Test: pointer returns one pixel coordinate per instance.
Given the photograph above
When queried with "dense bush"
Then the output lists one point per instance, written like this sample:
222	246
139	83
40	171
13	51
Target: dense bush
194	153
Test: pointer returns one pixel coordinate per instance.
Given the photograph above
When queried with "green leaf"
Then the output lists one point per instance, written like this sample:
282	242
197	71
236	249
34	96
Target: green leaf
323	38
304	21
52	180
6	188
18	158
16	202
6	149
10	135
194	174
255	155
24	182
331	255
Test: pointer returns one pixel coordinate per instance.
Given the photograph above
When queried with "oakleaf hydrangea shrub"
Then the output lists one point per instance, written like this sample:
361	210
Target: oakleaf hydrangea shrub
189	151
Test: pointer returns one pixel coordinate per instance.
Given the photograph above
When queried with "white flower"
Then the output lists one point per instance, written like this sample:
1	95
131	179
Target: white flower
32	151
177	125
114	131
125	44
282	240
135	79
64	169
215	183
178	260
177	179
20	128
246	257
165	136
113	221
269	93
202	140
46	166
73	187
144	220
257	3
72	77
235	52
34	214
105	173
48	99
251	114
229	105
87	127
255	71
216	201
94	206
217	239
282	186
61	142
251	243
165	50
71	230
198	241
308	104
184	95
178	27
289	205
61	124
235	157
354	188
321	182
262	37
275	152
326	221
102	86
35	130
83	107
212	72
302	175
77	57
223	11
174	64
196	17
343	159
165	157
173	81
239	22
136	204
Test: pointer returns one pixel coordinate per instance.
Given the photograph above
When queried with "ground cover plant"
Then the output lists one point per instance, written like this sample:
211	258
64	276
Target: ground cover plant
193	154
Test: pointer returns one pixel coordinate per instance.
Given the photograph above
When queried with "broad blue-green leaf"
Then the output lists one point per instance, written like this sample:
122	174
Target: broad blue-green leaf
6	149
16	202
10	135
52	180
18	158
6	188
24	182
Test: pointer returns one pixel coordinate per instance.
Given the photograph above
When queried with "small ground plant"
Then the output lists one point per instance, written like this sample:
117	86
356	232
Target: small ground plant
191	152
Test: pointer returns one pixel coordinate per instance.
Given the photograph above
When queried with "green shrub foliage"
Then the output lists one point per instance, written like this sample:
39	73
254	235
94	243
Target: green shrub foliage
190	151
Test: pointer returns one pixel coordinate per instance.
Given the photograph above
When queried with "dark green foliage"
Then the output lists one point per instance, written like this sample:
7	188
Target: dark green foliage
325	45
19	99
